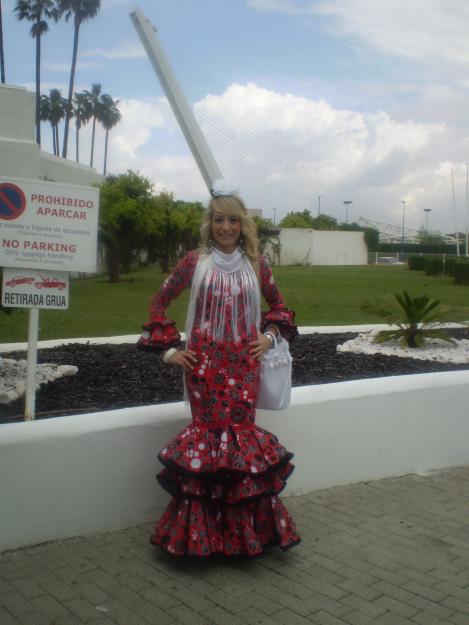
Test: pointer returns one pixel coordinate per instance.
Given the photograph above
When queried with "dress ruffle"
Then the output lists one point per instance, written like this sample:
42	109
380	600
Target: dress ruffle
232	491
190	527
225	483
284	319
158	335
233	449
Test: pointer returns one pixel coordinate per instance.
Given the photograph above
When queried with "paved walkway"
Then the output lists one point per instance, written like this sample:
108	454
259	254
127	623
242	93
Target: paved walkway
392	552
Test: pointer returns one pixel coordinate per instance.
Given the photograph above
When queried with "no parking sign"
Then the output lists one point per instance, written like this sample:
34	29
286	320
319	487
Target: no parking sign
45	225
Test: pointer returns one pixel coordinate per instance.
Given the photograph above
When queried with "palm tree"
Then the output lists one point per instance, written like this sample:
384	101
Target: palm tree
81	10
44	114
2	58
82	110
53	109
110	117
94	97
37	11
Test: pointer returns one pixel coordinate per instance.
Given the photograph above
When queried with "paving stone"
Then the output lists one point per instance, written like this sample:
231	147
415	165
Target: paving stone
60	591
48	606
365	592
32	618
252	616
459	618
28	587
82	609
186	616
7	619
396	607
365	607
454	603
430	607
15	603
324	618
358	618
391	618
289	617
430	619
424	591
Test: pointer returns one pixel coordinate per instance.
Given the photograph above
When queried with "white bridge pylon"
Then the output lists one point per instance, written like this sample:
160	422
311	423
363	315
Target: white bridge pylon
177	100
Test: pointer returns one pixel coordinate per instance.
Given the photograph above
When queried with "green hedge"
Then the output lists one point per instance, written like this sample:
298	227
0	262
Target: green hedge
417	263
461	272
449	265
434	265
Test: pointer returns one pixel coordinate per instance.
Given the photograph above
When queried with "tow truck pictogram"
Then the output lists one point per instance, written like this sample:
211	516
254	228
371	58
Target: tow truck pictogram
50	283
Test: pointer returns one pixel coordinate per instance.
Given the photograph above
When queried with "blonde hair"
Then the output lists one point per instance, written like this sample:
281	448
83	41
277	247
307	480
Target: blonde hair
232	205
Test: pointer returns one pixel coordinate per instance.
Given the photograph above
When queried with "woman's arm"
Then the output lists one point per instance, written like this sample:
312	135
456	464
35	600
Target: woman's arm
160	333
278	319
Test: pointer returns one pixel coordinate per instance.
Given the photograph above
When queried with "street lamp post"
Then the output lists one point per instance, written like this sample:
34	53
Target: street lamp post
319	204
347	204
426	211
403	226
274	209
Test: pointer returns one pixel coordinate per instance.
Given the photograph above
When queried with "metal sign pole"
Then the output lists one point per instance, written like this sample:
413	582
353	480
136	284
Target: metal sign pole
33	330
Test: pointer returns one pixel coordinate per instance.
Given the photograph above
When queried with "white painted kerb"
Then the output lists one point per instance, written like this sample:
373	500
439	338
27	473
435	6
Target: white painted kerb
79	474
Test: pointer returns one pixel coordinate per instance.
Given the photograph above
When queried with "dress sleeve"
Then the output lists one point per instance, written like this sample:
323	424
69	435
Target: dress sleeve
160	333
278	314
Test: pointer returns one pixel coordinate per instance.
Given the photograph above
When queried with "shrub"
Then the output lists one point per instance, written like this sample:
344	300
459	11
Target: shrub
417	318
417	263
434	266
449	264
461	272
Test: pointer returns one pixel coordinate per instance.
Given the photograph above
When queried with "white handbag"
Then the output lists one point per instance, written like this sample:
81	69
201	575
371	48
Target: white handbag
275	383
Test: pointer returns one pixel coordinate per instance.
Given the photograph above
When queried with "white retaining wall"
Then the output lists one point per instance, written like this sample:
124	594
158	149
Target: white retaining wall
79	474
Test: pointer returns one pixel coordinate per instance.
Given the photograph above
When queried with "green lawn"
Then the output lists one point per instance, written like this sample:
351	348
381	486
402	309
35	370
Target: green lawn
319	295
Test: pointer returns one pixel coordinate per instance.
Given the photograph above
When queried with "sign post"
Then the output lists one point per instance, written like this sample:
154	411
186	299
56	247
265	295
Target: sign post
30	397
46	230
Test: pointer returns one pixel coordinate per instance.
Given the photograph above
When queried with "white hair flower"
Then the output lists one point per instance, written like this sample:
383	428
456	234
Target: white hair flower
222	187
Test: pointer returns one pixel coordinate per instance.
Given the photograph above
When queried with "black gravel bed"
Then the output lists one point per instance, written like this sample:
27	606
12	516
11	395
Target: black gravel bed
119	376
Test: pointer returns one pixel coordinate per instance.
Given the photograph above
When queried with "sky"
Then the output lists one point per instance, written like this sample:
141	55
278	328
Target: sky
304	103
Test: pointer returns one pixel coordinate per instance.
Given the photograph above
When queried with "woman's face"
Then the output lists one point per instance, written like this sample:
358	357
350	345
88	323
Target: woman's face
226	230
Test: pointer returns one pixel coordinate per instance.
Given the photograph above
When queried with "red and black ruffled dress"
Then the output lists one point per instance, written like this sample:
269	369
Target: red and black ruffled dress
224	473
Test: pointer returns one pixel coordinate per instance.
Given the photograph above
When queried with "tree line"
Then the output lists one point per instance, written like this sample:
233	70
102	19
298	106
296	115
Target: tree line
84	106
87	105
137	226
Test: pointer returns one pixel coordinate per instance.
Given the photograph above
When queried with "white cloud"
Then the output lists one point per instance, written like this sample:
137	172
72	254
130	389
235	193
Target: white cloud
426	31
286	150
126	50
422	30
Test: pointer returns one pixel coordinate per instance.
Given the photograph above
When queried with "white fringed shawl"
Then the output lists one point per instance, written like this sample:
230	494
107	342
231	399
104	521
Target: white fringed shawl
229	276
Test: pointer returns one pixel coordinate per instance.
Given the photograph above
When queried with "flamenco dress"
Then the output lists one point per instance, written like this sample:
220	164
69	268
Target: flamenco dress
224	473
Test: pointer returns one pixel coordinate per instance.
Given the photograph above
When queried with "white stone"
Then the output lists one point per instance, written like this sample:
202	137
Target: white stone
436	350
13	377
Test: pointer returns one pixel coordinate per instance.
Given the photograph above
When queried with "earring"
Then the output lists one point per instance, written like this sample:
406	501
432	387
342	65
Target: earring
241	243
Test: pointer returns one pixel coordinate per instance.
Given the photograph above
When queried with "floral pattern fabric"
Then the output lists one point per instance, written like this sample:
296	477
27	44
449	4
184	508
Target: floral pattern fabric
223	471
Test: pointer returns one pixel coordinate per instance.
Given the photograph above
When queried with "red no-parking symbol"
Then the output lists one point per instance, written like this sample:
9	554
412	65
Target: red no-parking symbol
12	201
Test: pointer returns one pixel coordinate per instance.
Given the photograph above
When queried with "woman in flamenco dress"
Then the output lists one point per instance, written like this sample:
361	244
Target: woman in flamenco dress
224	473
